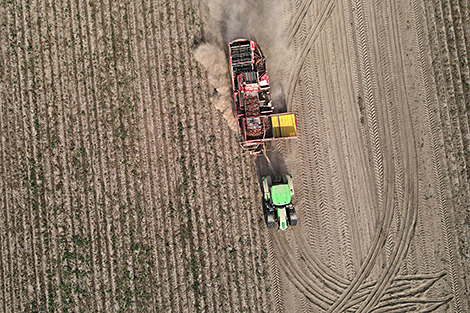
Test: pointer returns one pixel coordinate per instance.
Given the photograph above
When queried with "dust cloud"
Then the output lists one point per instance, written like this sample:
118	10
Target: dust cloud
260	20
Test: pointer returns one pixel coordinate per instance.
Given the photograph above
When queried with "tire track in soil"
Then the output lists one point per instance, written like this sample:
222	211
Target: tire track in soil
321	170
410	184
325	13
429	102
314	133
342	194
298	18
335	193
388	78
398	43
311	112
276	283
311	127
305	285
385	193
357	176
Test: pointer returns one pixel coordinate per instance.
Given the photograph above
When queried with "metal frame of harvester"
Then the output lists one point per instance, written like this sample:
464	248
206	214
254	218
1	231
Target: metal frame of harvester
253	106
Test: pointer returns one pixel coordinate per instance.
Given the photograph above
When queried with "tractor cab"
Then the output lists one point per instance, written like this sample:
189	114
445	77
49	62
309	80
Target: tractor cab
277	202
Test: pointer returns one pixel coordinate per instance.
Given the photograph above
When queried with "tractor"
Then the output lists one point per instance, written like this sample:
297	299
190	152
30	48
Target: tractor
277	201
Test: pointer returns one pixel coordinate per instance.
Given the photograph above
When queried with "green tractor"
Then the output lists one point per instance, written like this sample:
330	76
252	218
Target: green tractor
277	204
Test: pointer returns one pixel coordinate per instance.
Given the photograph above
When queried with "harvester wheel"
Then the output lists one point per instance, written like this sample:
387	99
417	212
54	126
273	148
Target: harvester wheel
270	219
292	217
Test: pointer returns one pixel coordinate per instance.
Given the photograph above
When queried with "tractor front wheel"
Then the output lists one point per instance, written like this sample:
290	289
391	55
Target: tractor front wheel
292	217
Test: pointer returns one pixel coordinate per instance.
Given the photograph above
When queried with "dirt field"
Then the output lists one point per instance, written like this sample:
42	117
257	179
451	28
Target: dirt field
123	188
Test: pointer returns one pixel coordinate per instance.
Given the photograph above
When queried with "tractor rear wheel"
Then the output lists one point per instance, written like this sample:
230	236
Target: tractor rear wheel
292	217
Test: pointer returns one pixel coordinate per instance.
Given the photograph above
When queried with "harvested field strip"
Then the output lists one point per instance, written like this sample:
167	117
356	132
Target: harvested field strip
335	158
339	158
388	75
312	34
311	142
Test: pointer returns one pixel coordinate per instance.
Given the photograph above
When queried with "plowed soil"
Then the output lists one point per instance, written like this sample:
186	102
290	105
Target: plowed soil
122	188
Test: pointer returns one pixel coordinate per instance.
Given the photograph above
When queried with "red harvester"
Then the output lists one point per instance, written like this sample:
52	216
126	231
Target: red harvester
252	98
